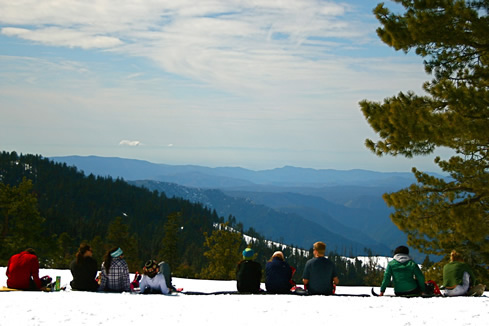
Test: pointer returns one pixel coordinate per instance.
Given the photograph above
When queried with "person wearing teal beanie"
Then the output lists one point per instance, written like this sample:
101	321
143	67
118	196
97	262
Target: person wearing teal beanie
248	273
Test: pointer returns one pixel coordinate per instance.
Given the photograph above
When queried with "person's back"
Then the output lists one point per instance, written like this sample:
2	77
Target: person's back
153	285
319	273
453	273
84	271
23	271
152	282
278	274
248	273
115	273
405	274
458	276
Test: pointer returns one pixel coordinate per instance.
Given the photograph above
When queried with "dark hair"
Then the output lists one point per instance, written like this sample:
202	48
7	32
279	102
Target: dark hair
31	251
84	247
108	259
401	250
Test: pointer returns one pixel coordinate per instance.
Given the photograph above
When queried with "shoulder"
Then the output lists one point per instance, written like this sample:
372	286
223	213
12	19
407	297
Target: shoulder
120	262
310	261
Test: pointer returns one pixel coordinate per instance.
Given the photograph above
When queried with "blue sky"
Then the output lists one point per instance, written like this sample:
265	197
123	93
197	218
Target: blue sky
256	84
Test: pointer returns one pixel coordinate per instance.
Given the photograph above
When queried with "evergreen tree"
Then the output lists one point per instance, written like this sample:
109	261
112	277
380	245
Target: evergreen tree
99	248
441	214
118	236
22	224
169	250
222	254
64	251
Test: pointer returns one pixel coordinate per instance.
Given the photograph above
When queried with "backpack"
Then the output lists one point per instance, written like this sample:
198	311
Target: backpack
431	288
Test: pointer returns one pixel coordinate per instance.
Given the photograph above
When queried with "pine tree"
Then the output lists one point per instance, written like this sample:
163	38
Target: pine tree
22	223
222	254
118	236
169	250
440	214
99	248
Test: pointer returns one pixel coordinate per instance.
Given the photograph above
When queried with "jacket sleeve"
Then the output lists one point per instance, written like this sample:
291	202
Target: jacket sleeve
472	276
163	287
387	278
125	278
103	279
8	265
35	272
142	284
419	277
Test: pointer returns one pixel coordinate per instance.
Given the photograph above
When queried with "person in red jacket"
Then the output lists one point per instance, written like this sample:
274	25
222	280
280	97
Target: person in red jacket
23	271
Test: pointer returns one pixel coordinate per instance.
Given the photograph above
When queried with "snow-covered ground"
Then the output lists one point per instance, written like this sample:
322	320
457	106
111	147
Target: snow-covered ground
83	308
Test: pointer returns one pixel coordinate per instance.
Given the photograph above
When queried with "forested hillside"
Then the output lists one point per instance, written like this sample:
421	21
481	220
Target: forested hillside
53	208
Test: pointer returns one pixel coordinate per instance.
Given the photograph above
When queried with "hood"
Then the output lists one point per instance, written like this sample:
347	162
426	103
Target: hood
402	258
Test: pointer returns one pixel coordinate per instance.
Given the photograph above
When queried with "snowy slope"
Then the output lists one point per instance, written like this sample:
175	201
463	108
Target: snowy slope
83	308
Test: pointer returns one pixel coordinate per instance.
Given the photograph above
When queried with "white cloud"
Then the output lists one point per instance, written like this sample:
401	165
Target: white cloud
229	44
130	143
63	37
284	74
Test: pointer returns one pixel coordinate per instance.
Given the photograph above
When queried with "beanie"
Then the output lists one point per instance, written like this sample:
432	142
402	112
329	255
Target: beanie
116	253
150	268
248	254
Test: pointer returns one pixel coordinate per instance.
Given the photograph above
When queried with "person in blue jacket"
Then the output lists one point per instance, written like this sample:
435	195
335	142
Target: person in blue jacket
278	274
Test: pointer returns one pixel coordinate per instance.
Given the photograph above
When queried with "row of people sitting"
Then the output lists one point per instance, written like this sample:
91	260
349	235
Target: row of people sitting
319	276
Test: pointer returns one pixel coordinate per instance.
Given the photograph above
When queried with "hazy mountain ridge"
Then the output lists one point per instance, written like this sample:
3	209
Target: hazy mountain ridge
232	177
298	205
277	225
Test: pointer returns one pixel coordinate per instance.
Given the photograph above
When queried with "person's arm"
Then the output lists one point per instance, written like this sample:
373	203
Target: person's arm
103	279
142	284
35	273
125	277
164	289
419	278
305	275
386	280
7	271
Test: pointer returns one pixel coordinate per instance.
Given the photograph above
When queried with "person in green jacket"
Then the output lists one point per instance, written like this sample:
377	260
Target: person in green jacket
407	277
458	277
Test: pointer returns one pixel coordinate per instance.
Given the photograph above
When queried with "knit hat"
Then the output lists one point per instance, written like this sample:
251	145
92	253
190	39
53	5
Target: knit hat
150	268
116	253
248	254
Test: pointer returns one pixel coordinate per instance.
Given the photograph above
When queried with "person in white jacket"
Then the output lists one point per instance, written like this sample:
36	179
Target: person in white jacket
152	282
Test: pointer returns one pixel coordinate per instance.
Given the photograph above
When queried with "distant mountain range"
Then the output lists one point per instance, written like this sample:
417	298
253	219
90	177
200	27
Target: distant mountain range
292	205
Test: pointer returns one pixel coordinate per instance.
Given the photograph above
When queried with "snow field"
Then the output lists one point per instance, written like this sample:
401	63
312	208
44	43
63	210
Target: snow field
84	308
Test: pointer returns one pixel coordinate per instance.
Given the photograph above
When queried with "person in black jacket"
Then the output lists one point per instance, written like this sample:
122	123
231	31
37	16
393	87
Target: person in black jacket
278	274
84	270
248	273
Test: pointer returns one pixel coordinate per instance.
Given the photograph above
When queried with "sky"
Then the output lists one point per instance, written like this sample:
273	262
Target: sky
257	84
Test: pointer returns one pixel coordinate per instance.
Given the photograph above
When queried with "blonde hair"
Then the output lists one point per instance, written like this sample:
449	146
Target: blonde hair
456	256
320	247
278	254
